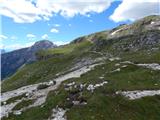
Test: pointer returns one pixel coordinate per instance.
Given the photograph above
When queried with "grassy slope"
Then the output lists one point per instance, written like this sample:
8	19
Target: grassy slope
103	103
46	70
23	103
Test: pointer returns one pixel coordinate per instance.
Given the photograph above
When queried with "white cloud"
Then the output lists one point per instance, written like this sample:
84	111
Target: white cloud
24	11
31	36
45	36
90	20
18	46
88	15
1	46
60	42
135	9
70	8
57	25
54	30
13	38
21	11
2	37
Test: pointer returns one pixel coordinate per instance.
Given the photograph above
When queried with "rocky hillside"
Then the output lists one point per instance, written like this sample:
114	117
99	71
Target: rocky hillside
11	61
144	32
109	75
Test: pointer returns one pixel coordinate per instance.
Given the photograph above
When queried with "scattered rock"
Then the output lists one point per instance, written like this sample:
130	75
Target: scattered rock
116	31
71	84
127	62
101	77
6	109
82	86
153	66
4	103
17	112
92	87
51	83
76	102
138	94
27	94
116	70
124	66
79	103
117	64
58	114
114	58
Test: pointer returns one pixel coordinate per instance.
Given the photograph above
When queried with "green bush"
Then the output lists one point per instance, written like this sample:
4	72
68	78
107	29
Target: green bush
42	86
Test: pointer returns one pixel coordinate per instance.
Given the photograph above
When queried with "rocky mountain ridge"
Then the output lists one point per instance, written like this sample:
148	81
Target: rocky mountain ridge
11	61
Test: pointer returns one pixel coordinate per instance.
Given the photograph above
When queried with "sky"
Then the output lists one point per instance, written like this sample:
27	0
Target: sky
23	22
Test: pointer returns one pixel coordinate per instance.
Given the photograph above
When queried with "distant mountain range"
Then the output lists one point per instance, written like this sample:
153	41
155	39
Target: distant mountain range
11	61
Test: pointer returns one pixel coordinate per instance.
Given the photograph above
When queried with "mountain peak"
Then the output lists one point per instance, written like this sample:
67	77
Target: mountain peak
17	58
43	44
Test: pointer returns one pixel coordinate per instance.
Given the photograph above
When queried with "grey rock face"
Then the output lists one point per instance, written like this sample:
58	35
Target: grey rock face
11	61
44	44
